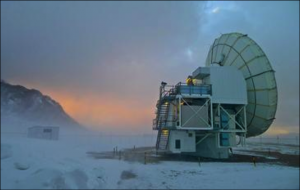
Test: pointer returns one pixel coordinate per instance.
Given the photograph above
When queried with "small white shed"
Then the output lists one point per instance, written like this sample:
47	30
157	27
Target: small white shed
43	132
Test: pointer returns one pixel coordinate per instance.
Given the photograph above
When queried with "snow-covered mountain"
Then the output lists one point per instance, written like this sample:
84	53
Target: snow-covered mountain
22	108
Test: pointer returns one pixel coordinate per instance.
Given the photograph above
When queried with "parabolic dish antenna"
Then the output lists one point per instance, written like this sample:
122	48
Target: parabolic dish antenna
240	51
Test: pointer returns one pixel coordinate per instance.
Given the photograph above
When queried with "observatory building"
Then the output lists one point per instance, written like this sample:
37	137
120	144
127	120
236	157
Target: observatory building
232	98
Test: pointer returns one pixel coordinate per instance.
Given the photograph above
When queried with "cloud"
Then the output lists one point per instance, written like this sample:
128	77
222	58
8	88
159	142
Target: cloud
81	38
125	49
98	50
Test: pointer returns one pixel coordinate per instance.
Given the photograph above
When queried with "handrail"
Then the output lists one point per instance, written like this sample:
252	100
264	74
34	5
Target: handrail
206	89
158	123
179	88
168	91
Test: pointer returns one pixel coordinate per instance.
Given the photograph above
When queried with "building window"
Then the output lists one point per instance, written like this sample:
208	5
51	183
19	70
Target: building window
224	139
47	130
190	134
177	144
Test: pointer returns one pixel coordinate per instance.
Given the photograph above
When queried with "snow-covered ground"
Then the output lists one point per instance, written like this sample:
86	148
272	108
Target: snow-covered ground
34	163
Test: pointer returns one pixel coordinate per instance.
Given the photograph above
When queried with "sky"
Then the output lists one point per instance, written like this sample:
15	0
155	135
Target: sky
104	61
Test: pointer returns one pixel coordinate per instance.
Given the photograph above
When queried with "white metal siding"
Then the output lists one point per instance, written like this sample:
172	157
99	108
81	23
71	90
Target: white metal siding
40	133
188	144
190	118
228	85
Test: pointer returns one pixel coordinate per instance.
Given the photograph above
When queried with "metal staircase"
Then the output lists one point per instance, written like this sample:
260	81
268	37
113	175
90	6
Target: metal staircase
162	116
161	122
162	139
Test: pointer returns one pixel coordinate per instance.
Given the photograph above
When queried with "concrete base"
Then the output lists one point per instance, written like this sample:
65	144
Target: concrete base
208	148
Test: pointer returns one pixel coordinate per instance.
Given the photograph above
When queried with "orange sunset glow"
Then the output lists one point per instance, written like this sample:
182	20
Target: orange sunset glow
99	111
105	110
